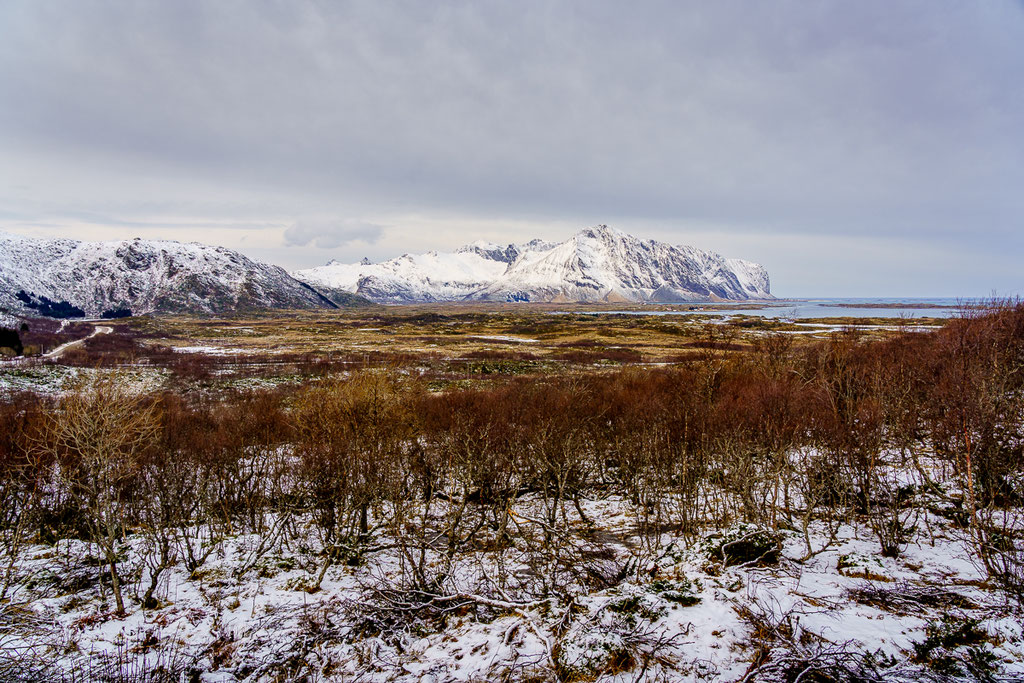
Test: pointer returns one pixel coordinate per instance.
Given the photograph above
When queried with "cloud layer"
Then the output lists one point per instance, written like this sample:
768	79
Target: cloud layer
330	234
759	123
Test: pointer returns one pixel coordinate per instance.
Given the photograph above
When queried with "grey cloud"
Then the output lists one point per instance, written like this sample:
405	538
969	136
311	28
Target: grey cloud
870	119
330	234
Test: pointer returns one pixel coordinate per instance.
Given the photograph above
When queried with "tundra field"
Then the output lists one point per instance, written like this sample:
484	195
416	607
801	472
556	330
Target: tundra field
514	493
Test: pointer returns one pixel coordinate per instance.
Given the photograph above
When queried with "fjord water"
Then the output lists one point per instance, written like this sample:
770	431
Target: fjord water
797	309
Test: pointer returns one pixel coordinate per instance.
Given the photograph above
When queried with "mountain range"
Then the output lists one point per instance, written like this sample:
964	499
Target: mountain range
598	264
69	278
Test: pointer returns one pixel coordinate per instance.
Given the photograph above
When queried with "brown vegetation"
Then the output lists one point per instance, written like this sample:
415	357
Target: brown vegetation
777	435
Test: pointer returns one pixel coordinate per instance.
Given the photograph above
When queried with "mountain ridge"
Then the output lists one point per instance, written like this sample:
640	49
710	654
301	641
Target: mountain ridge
595	264
64	277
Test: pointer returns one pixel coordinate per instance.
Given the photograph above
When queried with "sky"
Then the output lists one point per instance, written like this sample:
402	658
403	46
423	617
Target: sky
870	148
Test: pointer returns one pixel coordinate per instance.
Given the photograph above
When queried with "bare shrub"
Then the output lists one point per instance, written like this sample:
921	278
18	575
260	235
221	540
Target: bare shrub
98	436
350	434
22	481
786	652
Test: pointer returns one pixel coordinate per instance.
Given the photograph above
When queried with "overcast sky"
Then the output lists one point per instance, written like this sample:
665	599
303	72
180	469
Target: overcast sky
865	148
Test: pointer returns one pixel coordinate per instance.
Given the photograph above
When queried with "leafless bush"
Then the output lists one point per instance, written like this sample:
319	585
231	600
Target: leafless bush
999	544
140	659
98	436
392	612
22	479
26	641
905	595
785	652
351	439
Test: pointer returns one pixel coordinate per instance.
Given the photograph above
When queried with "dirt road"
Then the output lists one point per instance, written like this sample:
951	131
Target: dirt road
57	352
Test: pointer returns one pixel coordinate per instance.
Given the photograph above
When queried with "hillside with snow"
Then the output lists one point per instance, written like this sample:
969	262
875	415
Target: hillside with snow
140	275
596	264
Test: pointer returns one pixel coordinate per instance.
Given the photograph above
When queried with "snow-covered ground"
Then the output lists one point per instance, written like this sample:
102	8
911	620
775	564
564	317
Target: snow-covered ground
210	350
248	613
30	376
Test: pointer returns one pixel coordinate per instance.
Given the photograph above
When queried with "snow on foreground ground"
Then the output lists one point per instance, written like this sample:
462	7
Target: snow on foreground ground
676	612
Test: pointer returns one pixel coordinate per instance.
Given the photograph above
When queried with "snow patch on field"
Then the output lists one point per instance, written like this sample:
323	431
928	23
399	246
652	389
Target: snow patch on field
55	380
210	350
504	338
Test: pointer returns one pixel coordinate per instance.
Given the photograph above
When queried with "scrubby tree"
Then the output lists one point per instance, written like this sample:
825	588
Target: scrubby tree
21	483
350	434
97	436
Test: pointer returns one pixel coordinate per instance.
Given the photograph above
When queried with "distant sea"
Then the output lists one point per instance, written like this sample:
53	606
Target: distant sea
796	309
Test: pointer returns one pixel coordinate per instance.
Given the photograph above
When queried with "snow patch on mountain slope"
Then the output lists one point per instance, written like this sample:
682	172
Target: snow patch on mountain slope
753	278
9	321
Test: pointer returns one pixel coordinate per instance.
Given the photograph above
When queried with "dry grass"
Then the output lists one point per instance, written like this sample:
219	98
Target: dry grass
466	331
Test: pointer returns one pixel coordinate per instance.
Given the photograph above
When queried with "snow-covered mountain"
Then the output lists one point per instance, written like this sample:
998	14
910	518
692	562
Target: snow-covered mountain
595	264
143	276
433	276
63	276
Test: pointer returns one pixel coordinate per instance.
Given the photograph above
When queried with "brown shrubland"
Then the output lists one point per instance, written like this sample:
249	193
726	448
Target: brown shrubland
777	434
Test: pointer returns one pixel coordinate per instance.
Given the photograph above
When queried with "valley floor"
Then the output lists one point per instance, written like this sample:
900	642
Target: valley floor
513	495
